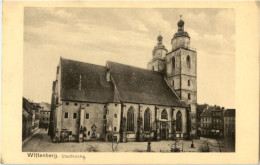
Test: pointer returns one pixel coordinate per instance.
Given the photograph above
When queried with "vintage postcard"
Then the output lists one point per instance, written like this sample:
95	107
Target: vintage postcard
130	83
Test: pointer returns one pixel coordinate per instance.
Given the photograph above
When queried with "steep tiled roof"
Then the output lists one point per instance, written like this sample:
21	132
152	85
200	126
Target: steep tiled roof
27	106
132	85
94	87
136	85
201	107
230	113
207	112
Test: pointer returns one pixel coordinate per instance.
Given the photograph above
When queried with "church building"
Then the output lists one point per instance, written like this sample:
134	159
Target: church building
126	103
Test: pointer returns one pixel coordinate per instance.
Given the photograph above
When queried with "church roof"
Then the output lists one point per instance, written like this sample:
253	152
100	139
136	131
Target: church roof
129	84
94	87
136	85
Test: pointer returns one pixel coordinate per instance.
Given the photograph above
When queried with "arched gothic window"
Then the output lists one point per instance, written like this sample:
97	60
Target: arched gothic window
188	61
173	62
147	120
188	96
130	119
179	121
164	115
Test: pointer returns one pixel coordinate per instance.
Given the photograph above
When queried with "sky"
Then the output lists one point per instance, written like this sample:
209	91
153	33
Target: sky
127	36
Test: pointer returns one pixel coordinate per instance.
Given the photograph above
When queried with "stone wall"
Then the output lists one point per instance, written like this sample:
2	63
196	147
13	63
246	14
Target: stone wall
95	113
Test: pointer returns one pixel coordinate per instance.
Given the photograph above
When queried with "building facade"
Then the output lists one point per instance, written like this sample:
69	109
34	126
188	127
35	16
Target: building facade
125	103
206	121
218	121
44	115
230	123
212	121
30	118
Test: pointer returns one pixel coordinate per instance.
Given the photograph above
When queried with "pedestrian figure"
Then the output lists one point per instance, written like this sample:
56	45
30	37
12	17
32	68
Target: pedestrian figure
149	146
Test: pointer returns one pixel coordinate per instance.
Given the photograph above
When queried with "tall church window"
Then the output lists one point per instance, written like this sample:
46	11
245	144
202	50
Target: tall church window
164	115
188	82
147	120
179	121
188	96
130	119
188	61
173	62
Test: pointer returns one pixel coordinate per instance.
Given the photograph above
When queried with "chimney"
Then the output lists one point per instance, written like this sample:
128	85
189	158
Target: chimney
108	75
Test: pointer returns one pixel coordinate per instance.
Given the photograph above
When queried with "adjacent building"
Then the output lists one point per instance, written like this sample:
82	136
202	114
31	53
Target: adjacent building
91	102
44	115
230	123
199	111
213	121
30	118
206	121
217	121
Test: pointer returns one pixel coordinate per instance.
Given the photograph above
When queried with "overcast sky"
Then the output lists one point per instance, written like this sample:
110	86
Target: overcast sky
127	36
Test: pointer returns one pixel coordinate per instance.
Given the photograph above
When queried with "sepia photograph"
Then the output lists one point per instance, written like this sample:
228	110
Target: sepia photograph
129	80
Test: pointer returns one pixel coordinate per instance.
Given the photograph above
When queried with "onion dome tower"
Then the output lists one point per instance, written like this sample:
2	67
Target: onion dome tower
159	53
181	38
181	71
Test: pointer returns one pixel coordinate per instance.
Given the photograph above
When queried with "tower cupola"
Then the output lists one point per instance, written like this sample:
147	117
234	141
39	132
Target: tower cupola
159	50
181	38
159	53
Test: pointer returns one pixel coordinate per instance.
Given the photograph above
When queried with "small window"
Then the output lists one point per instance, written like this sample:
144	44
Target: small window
164	115
47	119
173	62
76	104
67	103
114	128
189	96
43	119
87	105
104	117
188	61
43	112
66	115
188	82
173	83
74	115
87	116
115	115
115	104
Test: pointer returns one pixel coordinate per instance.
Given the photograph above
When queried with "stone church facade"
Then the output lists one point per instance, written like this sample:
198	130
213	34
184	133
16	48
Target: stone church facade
126	103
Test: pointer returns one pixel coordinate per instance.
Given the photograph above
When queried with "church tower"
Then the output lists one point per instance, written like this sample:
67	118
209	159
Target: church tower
181	70
159	52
